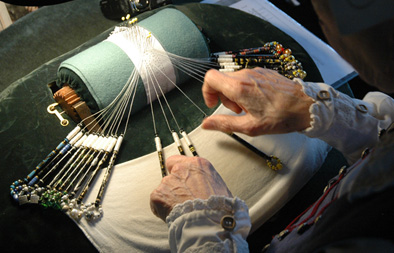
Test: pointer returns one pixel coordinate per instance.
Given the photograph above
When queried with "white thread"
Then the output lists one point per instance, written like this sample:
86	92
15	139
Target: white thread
227	64
225	56
219	53
139	45
226	70
76	138
233	67
98	143
102	143
118	143
95	161
82	140
92	140
87	140
73	132
158	144
220	60
111	145
188	141
176	139
105	143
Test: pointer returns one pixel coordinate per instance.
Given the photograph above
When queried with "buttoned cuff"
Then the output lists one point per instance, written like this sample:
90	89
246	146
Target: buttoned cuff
345	123
208	224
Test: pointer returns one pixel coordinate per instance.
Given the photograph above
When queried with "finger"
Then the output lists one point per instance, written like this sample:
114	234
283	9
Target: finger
175	159
158	206
215	83
228	124
230	104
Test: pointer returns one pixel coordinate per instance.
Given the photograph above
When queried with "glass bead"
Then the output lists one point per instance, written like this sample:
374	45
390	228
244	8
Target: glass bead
287	51
89	215
65	208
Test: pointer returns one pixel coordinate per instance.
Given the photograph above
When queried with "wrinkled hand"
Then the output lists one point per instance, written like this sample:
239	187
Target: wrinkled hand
272	103
189	178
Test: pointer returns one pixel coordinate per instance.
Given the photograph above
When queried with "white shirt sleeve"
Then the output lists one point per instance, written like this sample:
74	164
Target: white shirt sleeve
349	125
219	224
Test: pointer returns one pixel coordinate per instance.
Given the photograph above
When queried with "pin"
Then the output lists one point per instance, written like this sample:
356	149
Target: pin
52	110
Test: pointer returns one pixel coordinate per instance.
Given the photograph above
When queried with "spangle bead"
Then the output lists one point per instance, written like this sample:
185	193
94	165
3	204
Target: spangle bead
65	208
34	199
23	200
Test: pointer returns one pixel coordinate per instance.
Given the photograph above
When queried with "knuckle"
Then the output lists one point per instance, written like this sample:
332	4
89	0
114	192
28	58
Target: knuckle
155	196
175	169
252	130
165	180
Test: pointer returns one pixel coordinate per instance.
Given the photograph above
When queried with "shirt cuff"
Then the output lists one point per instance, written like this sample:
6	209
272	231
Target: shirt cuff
204	225
345	123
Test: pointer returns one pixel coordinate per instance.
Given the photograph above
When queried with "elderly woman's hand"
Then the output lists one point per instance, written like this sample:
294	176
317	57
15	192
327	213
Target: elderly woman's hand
272	103
189	178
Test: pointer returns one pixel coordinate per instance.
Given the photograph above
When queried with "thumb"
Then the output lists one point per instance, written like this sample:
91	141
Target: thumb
226	123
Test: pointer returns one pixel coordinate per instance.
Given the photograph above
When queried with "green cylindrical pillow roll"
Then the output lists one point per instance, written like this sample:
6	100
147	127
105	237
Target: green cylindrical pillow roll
99	73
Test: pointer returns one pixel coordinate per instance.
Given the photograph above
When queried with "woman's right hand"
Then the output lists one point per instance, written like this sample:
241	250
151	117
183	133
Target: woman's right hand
272	103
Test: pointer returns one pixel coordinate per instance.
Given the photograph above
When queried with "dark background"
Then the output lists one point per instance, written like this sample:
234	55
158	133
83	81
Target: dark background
305	15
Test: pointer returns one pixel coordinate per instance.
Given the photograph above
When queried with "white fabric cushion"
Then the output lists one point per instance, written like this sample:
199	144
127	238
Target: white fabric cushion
128	224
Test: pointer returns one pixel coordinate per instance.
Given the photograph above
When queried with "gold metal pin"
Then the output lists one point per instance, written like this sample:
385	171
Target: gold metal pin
52	110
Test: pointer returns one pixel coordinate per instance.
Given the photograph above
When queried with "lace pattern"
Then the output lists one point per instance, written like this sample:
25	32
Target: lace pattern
215	203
